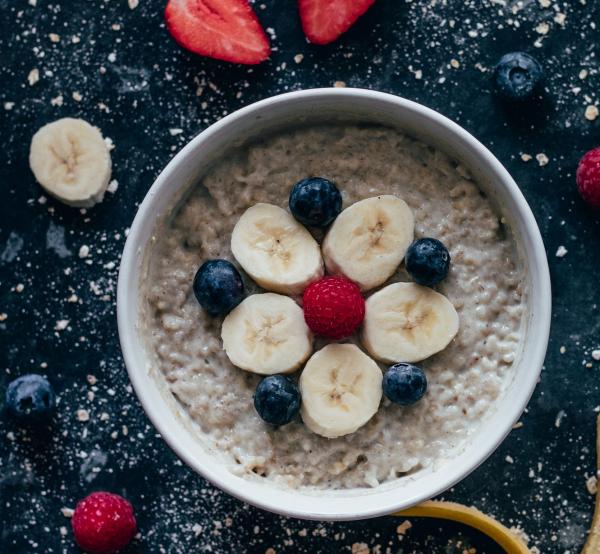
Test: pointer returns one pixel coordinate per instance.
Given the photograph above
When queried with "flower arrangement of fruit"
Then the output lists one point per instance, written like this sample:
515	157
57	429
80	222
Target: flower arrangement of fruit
340	386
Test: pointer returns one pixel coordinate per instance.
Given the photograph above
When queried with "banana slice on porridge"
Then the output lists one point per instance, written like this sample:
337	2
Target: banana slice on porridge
369	239
406	322
275	250
341	390
267	334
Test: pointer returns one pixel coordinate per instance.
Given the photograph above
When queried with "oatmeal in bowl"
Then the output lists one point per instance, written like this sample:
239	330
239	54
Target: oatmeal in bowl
334	293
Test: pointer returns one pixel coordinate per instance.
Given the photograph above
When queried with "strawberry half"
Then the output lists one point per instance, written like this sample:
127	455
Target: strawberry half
325	20
223	29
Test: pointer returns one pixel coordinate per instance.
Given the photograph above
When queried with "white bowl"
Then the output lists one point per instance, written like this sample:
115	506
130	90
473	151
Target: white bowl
322	105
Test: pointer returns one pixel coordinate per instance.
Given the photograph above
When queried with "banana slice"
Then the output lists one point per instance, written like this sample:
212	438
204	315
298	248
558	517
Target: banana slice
341	390
406	322
267	334
368	240
70	159
275	250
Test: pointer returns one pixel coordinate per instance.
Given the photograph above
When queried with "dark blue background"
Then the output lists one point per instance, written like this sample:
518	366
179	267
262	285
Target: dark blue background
536	480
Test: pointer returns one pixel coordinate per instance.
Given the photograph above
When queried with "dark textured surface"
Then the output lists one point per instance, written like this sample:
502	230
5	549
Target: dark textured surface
536	480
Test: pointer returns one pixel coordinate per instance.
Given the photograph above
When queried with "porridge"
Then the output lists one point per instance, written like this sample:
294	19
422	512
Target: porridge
465	379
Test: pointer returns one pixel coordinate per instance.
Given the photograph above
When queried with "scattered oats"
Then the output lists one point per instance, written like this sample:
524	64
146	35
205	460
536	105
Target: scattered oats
54	37
542	159
115	27
32	3
61	325
63	531
562	349
33	77
73	298
526	157
75	39
104	416
84	251
112	57
510	459
58	101
591	112
543	28
102	70
9	105
403	527
360	548
270	551
561	252
560	18
20	287
596	355
77	96
3	317
175	132
545	3
472	33
339	84
124	430
196	528
113	186
109	143
559	417
133	4
592	484
83	415
298	58
42	200
583	73
67	512
454	63
11	436
91	379
418	74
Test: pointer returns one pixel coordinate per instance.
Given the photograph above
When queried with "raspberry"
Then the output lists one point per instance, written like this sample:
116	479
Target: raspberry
588	177
333	307
103	523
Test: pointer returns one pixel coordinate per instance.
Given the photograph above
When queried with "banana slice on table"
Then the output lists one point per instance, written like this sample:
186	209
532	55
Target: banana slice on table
275	250
369	239
405	322
70	159
341	390
267	334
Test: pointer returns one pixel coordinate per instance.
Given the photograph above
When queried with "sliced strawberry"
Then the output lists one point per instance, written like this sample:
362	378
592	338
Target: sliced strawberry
325	20
223	29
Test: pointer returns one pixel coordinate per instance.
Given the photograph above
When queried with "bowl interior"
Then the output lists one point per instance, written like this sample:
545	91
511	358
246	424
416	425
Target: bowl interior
324	105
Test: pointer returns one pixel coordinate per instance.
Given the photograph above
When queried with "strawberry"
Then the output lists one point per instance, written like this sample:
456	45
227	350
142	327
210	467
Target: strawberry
323	21
223	29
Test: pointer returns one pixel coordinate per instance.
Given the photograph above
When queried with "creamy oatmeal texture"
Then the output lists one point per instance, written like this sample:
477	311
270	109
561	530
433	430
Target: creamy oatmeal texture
485	285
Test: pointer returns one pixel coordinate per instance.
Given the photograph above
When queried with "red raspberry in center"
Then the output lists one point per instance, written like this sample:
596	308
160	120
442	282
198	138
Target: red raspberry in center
103	523
333	307
588	177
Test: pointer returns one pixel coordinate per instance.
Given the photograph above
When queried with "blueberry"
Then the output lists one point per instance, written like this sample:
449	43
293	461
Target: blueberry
30	397
277	399
428	261
404	384
218	287
315	202
517	75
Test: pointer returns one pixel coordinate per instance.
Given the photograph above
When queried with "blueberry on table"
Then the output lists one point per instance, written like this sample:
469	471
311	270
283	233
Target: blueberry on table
315	202
428	261
277	399
517	75
218	287
404	384
30	397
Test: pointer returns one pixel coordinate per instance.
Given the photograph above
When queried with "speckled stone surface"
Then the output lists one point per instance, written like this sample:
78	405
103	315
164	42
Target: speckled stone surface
118	68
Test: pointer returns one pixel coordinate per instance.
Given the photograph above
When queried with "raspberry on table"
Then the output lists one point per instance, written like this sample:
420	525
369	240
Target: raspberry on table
333	307
588	177
103	523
